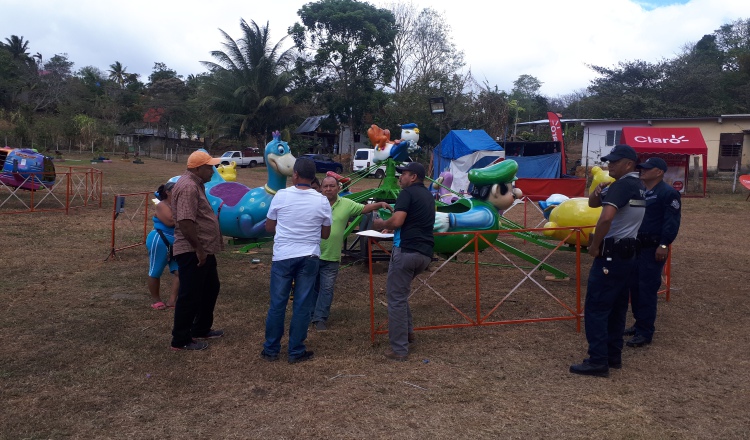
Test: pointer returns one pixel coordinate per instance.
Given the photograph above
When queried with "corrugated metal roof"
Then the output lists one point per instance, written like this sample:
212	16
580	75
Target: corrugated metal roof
310	124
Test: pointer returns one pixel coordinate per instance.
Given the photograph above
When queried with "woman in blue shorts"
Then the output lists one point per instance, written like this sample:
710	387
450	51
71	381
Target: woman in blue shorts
159	243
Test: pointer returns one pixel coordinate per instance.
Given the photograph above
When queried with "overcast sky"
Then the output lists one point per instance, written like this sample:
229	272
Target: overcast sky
551	40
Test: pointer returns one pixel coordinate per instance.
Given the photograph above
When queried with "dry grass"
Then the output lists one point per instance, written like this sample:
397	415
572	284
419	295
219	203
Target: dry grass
85	357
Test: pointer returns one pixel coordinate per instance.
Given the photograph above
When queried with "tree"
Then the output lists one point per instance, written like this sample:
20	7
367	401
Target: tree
530	104
118	74
249	83
733	39
51	86
352	50
162	72
18	48
629	90
423	47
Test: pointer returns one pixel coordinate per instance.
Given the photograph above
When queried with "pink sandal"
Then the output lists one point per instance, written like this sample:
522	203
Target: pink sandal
158	305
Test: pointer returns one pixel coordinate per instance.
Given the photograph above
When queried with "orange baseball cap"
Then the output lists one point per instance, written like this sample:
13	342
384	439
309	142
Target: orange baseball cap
200	158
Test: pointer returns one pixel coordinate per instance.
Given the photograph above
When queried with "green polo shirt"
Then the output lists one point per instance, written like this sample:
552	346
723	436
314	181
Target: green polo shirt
343	209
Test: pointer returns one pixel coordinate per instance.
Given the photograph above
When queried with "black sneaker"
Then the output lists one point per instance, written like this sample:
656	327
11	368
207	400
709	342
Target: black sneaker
587	369
630	331
320	326
306	356
212	334
192	346
269	357
638	341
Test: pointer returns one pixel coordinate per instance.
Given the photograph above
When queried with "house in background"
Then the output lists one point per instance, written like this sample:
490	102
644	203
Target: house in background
340	140
727	138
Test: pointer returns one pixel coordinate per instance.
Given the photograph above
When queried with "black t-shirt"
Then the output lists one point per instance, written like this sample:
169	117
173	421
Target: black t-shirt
415	235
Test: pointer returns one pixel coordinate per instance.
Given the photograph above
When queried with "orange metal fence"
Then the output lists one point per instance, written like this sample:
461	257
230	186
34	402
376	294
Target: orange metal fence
485	295
74	187
130	215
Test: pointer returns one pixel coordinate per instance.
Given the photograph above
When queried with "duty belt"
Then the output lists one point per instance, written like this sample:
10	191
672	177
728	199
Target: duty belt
623	248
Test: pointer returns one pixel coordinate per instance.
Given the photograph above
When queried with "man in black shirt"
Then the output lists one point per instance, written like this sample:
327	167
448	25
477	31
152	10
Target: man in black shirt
613	246
657	232
413	220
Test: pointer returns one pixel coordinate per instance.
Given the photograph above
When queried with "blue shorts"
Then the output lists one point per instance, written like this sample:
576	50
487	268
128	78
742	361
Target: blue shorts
158	254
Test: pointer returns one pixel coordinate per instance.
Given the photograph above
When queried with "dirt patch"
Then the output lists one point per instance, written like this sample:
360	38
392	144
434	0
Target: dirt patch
84	356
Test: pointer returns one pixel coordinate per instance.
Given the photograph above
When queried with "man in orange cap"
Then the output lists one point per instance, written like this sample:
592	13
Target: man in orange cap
197	240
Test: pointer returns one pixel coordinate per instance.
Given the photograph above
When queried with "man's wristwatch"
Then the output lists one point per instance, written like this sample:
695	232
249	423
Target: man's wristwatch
663	246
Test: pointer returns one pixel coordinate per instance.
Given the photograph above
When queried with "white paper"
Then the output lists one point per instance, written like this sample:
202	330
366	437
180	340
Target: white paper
374	234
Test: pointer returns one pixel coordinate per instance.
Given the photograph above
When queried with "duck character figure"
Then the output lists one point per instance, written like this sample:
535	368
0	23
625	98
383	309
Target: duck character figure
567	213
397	150
572	213
493	191
241	210
228	172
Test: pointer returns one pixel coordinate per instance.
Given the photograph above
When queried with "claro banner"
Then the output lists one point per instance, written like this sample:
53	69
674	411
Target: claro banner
673	144
557	135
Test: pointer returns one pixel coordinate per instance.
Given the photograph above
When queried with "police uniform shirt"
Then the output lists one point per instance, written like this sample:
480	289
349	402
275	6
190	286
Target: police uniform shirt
663	212
626	194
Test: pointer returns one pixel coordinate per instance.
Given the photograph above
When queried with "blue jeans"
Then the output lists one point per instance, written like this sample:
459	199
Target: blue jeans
303	271
327	272
606	307
643	292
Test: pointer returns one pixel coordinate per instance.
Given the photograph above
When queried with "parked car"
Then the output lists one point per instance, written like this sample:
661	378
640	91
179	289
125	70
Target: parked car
364	158
324	163
249	157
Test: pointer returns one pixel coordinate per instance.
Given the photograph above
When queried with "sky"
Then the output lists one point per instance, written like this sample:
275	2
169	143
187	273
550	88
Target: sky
552	40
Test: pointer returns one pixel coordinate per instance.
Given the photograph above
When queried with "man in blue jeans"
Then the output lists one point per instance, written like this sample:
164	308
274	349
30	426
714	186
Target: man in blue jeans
413	220
298	217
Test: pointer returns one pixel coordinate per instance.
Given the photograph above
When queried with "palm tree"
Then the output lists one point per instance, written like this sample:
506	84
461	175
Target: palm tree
249	81
118	74
18	48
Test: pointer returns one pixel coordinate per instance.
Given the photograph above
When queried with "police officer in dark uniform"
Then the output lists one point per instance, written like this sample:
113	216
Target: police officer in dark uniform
613	246
658	230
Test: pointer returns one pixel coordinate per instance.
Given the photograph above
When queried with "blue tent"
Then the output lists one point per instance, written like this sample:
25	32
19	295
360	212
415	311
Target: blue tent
545	166
460	143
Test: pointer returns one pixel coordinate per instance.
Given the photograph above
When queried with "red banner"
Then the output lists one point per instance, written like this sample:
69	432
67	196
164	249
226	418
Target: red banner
557	135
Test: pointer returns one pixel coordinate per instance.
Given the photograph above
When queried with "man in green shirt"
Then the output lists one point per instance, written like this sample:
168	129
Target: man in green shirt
330	248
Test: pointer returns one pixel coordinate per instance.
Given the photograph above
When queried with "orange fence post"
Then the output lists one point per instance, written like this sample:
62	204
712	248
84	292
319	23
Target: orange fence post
118	207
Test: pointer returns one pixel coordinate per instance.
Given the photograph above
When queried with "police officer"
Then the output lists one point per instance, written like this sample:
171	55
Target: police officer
613	246
657	232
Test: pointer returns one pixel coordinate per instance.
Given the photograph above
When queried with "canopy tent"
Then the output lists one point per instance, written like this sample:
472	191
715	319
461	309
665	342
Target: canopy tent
674	145
462	150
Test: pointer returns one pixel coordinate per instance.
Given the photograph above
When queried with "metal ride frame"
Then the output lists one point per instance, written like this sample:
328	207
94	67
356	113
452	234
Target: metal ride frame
666	277
571	312
81	186
118	207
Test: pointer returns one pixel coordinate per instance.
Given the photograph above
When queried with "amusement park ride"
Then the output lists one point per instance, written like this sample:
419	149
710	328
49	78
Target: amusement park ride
242	211
26	169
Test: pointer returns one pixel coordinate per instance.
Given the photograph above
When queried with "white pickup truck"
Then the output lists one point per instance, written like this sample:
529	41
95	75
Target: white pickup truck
245	158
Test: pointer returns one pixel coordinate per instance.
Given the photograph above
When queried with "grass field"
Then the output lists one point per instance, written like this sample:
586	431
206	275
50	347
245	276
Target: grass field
84	356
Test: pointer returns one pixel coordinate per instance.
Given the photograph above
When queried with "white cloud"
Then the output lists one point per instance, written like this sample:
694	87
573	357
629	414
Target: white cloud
552	40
